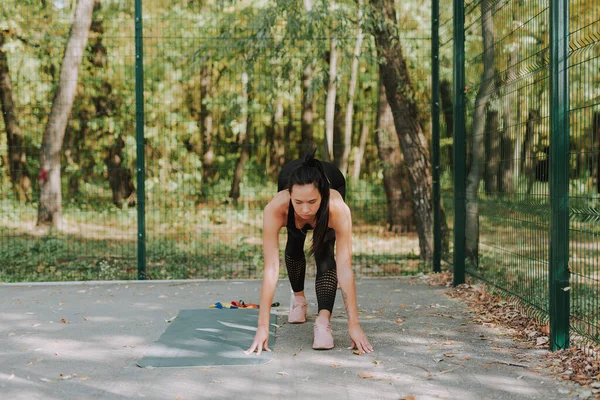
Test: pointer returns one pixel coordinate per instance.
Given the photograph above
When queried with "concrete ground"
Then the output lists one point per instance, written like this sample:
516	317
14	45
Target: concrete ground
82	341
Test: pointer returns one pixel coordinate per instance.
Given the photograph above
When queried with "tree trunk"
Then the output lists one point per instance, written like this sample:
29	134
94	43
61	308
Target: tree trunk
360	150
401	97
595	162
50	206
276	142
331	103
448	113
338	134
17	158
486	88
351	91
120	177
513	102
206	124
308	141
492	152
287	135
400	211
505	177
509	145
244	139
528	156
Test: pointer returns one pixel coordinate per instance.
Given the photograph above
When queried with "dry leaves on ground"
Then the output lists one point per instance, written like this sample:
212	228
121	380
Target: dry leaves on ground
574	364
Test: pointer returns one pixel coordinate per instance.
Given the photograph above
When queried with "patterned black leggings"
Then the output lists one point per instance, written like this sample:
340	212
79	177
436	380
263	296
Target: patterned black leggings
295	262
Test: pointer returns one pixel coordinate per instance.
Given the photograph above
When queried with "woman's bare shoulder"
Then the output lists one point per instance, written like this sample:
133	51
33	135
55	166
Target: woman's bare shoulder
280	200
278	206
338	209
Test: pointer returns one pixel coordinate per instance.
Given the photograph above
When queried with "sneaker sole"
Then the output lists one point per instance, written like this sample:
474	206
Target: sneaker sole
323	348
296	322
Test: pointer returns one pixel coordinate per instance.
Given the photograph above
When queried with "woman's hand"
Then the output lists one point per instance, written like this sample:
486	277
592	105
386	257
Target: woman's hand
359	339
261	340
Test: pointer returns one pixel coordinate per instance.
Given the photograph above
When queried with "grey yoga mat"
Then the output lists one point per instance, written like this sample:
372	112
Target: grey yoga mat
209	337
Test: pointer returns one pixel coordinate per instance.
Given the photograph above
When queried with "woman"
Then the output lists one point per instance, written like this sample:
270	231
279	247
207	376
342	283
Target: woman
311	196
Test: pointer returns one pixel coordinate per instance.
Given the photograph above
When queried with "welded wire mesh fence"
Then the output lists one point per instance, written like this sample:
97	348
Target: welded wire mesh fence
231	92
528	120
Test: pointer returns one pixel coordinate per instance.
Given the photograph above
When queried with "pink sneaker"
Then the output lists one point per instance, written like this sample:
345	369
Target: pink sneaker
298	313
323	337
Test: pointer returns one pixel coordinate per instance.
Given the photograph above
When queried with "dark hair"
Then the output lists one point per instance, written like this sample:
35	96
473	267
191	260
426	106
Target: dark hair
311	171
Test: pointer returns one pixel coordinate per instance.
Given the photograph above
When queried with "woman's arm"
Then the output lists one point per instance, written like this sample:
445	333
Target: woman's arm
342	224
272	223
271	227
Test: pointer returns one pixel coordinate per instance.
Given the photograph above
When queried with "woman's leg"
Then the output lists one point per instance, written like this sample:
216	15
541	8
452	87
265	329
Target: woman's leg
295	261
326	282
326	288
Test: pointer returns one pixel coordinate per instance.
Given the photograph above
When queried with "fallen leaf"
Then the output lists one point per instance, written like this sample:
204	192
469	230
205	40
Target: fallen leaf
365	375
64	320
399	320
377	362
408	398
357	352
449	342
542	340
335	365
449	355
283	373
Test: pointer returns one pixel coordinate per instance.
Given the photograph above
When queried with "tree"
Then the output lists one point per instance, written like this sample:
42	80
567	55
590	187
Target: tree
106	105
17	157
486	88
330	103
364	136
245	127
351	91
50	205
395	178
401	97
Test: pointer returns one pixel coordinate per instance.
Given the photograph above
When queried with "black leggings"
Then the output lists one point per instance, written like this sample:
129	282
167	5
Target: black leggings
295	260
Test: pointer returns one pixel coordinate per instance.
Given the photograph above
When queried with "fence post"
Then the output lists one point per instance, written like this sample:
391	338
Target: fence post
459	142
139	135
558	274
435	134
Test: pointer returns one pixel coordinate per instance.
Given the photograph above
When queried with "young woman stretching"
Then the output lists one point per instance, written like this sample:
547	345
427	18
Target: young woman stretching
310	197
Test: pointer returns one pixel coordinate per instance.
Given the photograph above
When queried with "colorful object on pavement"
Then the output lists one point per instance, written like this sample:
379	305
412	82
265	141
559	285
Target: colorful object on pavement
234	305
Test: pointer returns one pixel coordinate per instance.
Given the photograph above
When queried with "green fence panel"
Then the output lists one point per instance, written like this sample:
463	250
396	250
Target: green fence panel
184	114
584	172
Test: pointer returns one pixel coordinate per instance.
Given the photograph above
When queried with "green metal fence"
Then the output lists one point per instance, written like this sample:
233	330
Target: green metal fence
185	111
175	101
521	172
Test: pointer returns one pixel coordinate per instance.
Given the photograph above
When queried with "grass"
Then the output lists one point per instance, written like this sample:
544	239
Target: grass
183	240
